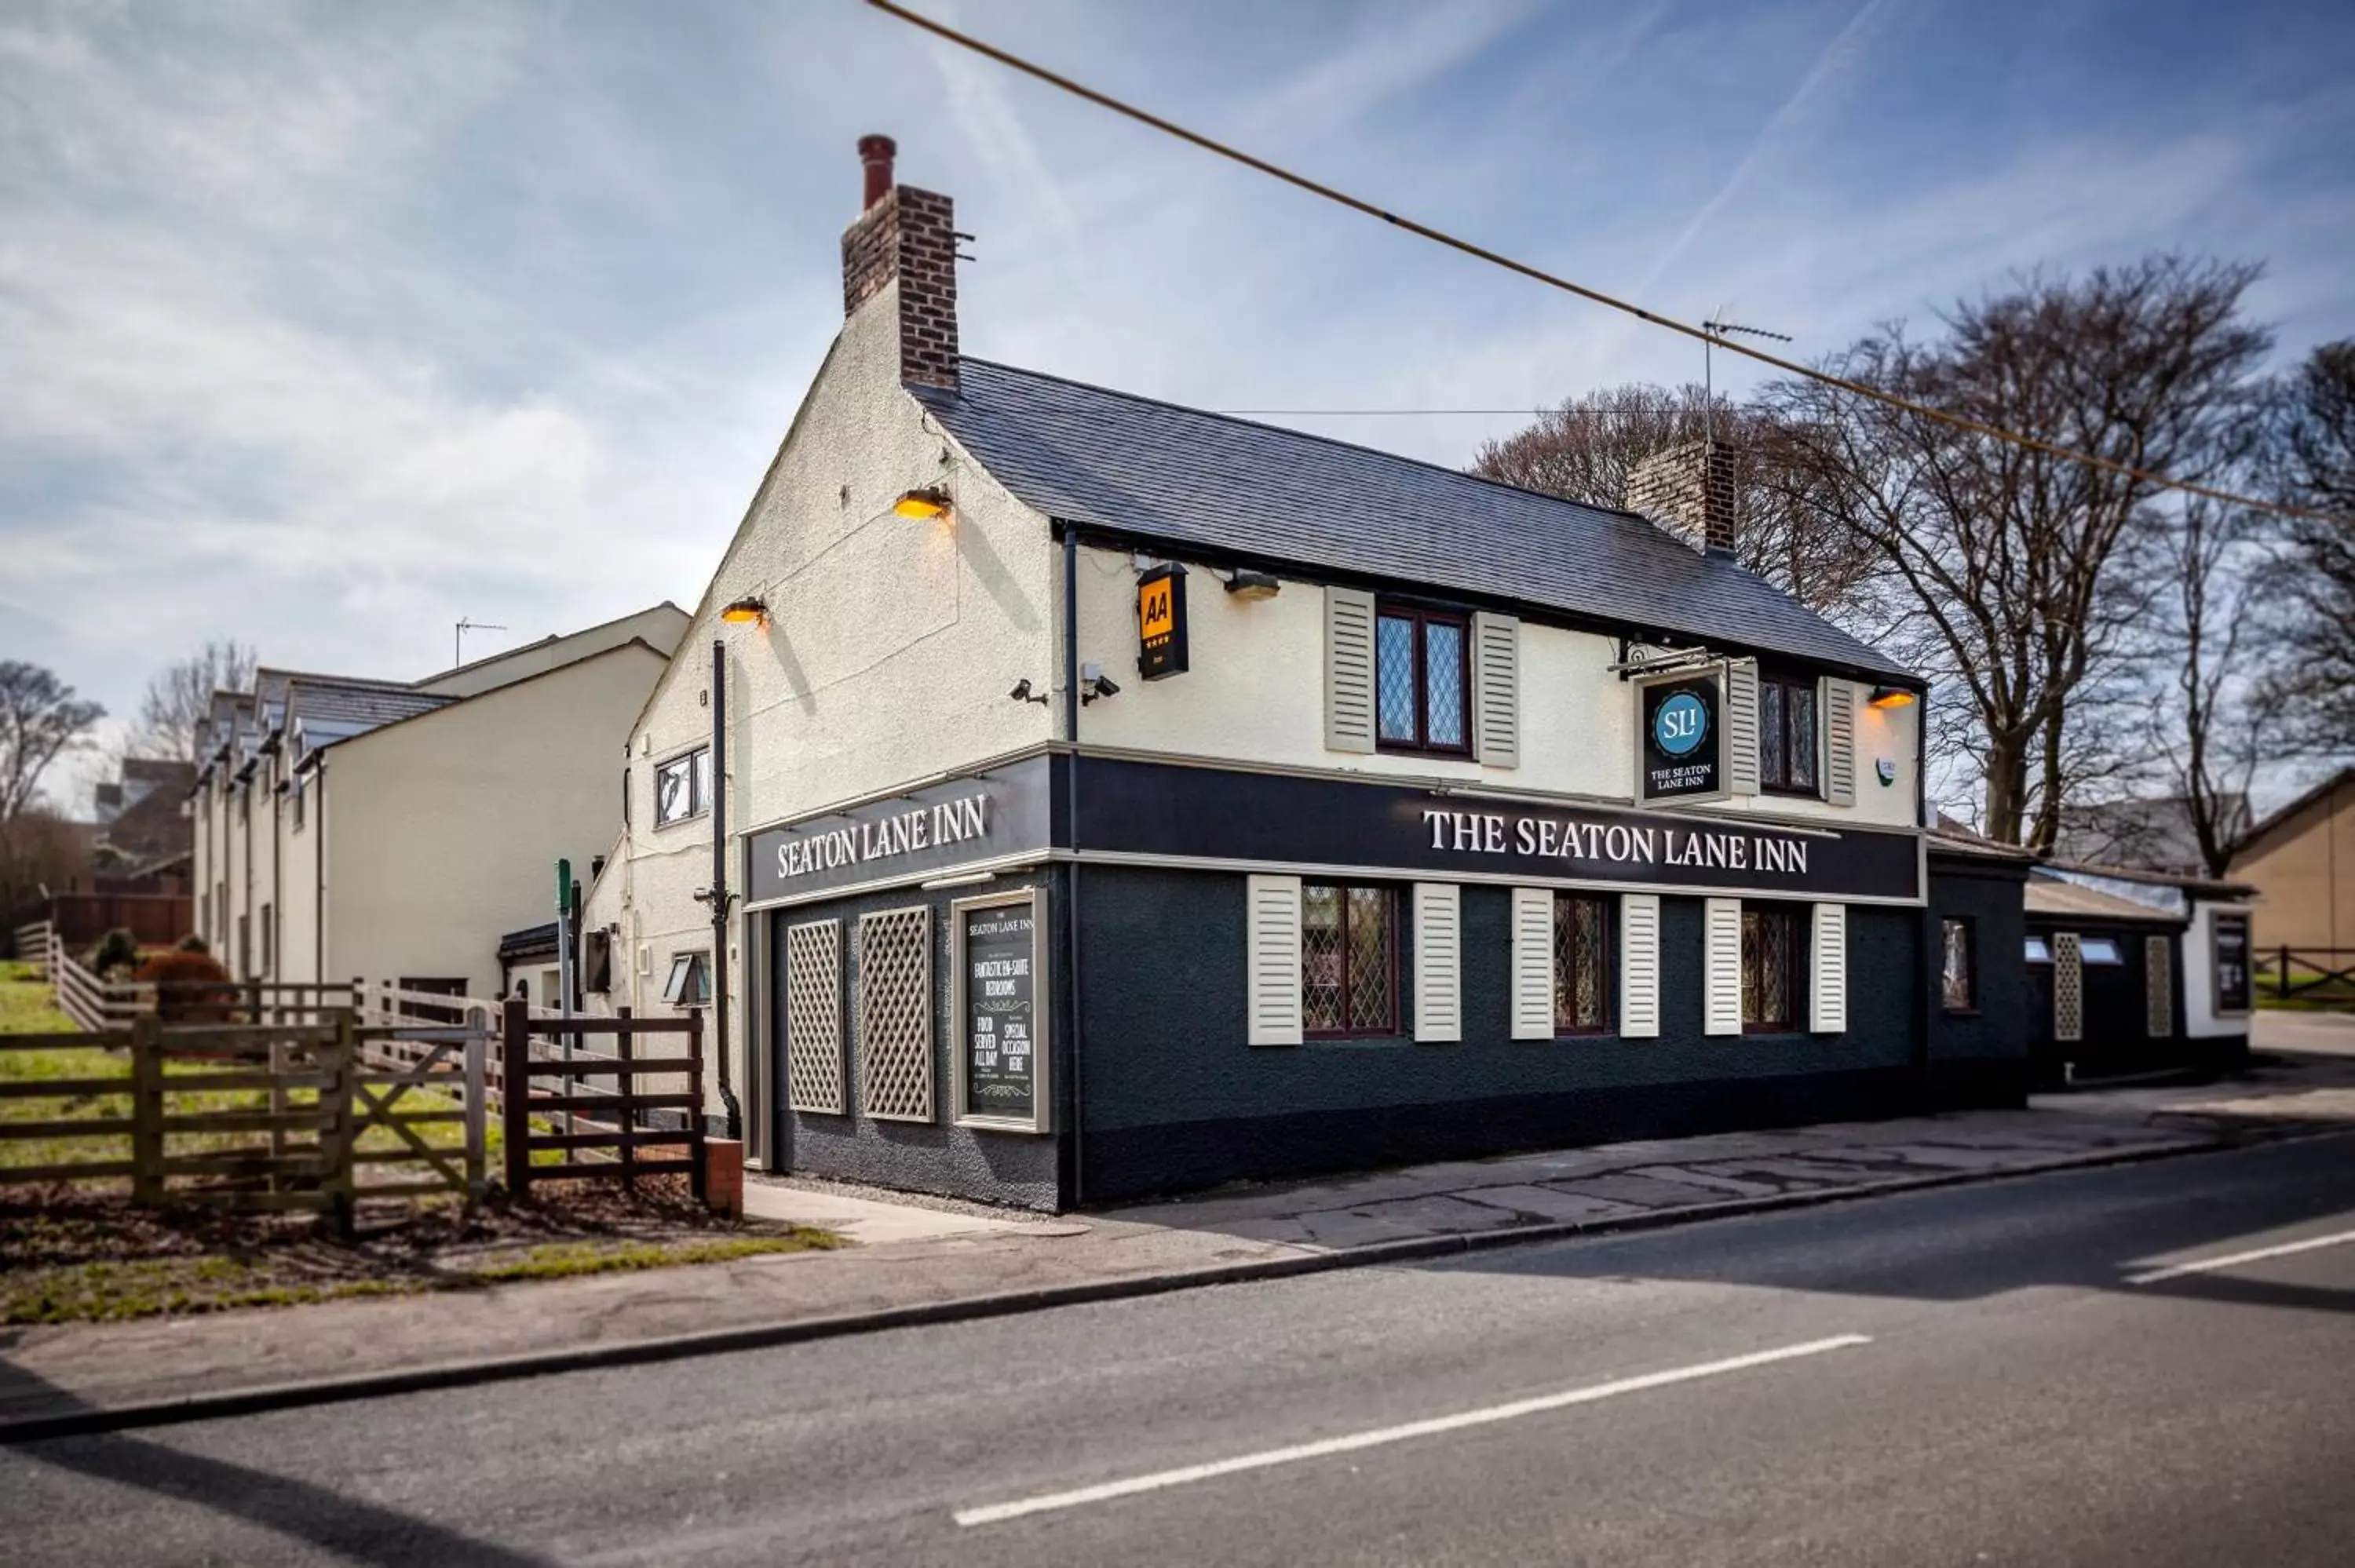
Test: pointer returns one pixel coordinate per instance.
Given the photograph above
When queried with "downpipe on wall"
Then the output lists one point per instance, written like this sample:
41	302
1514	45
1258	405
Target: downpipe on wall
720	897
1072	825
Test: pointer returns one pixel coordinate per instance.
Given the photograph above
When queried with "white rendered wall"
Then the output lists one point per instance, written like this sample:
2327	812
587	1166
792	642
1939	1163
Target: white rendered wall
2200	1019
1255	691
446	828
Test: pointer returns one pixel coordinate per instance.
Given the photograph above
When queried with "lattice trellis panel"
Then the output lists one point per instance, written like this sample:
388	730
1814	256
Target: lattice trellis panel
2068	987
895	1014
2158	986
813	1074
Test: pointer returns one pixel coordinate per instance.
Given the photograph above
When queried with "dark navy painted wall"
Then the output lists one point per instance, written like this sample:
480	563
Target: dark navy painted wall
1980	1057
1018	1169
1175	1098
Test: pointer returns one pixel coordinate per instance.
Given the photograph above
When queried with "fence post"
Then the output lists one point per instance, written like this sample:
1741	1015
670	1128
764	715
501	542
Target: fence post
478	1032
343	1179
624	1046
695	1109
2281	974
515	1091
279	1067
147	1109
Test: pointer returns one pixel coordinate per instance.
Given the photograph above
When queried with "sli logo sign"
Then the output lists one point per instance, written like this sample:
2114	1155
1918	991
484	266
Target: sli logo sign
1680	725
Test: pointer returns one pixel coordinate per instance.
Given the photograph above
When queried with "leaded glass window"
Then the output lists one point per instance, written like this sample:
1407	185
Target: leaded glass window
1770	968
1349	959
1422	681
1581	958
1786	735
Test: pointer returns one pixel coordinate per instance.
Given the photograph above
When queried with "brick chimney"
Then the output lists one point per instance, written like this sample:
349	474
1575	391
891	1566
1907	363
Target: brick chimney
906	237
1688	491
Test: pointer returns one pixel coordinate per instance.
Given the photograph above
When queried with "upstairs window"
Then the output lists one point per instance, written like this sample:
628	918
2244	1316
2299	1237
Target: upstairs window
1422	681
683	786
689	984
1786	735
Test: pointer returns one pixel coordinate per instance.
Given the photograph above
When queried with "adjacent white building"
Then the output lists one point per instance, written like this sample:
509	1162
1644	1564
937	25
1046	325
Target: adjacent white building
349	828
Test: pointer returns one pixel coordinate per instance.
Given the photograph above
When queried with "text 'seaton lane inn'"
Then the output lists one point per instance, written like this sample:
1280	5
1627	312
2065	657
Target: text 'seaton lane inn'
1116	798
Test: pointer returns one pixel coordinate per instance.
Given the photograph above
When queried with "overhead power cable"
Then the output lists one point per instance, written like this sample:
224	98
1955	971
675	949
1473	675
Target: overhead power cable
1539	274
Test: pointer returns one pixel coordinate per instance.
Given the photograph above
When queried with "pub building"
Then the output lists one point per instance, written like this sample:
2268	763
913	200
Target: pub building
1115	797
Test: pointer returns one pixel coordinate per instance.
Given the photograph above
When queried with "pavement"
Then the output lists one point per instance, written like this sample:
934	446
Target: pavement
2141	1364
920	1262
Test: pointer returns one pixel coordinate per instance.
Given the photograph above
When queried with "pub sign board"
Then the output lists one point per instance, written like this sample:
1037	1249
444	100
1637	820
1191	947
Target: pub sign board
937	829
999	950
1680	739
1161	621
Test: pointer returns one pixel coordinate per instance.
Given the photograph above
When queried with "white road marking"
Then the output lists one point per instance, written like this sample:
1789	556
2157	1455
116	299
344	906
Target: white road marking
996	1512
2206	1264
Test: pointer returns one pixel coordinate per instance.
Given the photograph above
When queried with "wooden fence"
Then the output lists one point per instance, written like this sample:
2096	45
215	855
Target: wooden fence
253	1116
602	1132
2327	972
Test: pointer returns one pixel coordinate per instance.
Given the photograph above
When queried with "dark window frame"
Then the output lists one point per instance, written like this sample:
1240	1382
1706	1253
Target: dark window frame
1392	963
688	984
1606	990
699	784
1794	986
1779	781
1423	617
1969	928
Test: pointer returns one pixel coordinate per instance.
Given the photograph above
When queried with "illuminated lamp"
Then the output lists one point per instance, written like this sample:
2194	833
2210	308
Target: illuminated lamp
1890	698
921	505
746	611
1253	585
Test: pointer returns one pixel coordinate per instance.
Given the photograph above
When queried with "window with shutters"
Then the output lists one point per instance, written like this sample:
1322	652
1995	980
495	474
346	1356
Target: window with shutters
1786	735
1959	978
1581	964
1770	968
1422	681
1349	959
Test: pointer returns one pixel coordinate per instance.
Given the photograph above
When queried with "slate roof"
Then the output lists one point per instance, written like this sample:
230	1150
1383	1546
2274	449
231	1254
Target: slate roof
1156	471
2066	900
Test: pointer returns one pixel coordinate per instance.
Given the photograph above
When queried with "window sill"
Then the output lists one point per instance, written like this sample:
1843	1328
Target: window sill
1405	749
1960	1012
682	821
1785	793
1391	1038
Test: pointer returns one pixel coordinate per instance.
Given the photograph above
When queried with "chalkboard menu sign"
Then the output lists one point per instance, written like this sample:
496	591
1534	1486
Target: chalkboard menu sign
1001	1079
2231	963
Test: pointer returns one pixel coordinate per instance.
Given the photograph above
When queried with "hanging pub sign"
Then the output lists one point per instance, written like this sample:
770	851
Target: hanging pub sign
1161	621
1681	744
999	949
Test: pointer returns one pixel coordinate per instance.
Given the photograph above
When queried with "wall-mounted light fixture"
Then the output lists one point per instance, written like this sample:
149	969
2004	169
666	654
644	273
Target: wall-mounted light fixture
1252	585
1890	698
1022	693
921	505
1094	683
746	611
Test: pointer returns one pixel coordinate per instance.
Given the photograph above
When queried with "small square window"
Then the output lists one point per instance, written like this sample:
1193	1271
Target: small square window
689	984
2039	951
2100	950
683	786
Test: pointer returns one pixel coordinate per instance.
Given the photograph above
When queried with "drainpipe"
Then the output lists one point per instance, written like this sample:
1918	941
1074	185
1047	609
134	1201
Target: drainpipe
319	854
719	895
1072	830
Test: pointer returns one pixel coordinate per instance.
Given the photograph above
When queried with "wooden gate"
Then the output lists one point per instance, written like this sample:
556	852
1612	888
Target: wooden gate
602	1132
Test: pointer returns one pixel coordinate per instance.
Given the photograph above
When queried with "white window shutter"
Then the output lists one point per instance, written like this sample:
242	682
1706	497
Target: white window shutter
1742	725
1496	689
1838	701
1438	962
1532	963
1349	669
1828	971
1721	965
2158	986
1271	960
1640	965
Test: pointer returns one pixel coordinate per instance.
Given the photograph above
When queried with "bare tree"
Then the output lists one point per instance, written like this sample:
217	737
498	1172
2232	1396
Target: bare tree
1587	449
40	852
2317	598
2010	560
2210	717
40	720
180	697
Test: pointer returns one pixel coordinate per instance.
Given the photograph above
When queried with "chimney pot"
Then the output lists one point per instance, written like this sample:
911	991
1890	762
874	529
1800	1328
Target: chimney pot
876	152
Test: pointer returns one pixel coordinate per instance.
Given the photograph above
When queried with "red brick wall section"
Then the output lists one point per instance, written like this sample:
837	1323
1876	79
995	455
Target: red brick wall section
909	236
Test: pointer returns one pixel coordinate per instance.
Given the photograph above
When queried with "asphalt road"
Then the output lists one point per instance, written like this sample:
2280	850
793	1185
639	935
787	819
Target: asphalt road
1996	1373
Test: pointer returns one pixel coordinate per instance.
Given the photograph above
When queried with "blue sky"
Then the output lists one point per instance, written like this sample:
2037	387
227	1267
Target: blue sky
326	324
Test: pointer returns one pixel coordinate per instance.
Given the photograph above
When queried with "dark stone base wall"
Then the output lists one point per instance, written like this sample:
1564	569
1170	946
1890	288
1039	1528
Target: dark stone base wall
1021	1170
